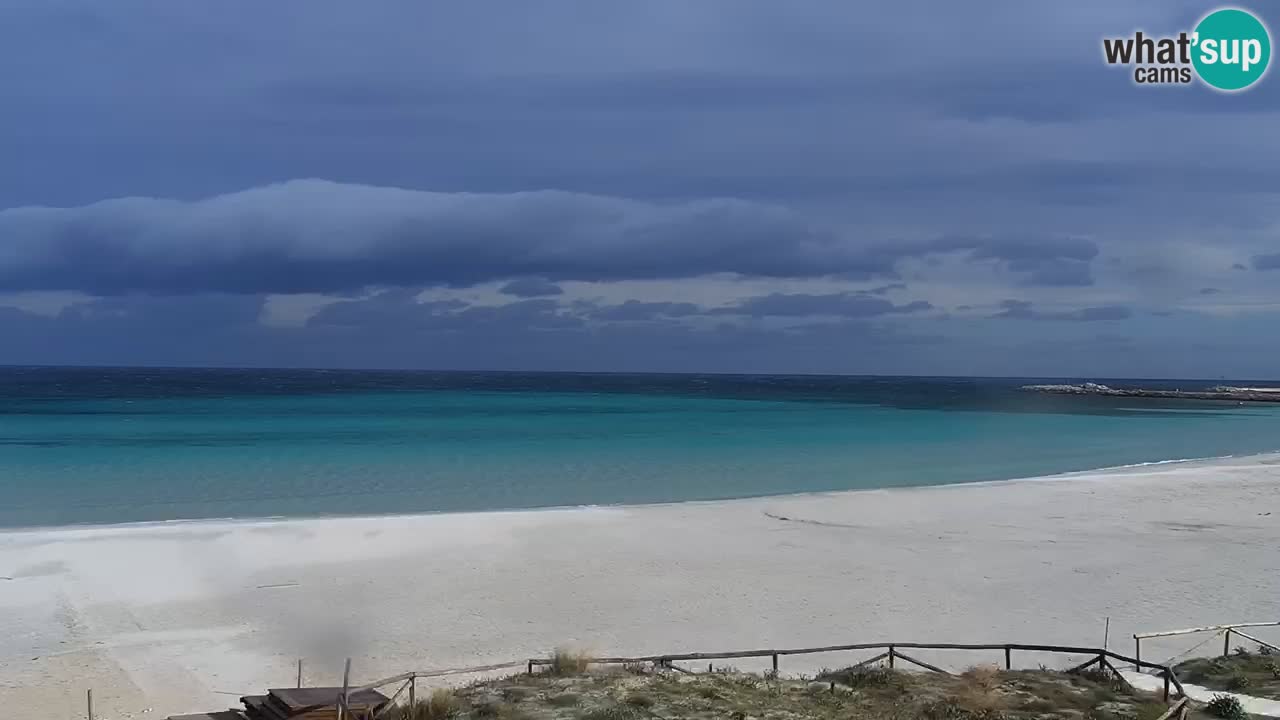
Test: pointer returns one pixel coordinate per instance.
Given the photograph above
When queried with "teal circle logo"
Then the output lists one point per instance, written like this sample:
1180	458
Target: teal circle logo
1232	49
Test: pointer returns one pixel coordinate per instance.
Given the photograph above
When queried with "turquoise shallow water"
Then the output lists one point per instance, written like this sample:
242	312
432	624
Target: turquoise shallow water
103	446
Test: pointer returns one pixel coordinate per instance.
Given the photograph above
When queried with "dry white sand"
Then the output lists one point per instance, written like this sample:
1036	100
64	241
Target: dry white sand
176	617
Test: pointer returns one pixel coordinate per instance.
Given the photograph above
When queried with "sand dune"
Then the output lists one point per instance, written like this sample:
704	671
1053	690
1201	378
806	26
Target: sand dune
175	617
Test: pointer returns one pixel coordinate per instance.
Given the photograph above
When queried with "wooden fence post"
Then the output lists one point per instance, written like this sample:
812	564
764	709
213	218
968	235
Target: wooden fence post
1008	658
891	656
1137	653
299	672
413	696
89	697
1166	686
775	665
1226	643
346	688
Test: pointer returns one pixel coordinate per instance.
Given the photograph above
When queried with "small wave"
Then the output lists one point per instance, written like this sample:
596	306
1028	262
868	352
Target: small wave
1172	462
1131	466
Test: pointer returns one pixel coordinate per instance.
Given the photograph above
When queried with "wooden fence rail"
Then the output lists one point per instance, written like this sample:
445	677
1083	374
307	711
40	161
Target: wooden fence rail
1101	657
1226	631
1177	711
891	651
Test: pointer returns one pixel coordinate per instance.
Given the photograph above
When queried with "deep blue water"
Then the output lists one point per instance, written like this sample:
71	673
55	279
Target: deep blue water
119	445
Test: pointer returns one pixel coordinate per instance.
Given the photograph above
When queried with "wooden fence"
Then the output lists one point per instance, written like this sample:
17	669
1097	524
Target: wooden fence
893	651
890	653
1226	630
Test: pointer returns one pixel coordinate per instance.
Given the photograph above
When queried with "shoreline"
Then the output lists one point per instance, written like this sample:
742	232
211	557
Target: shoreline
186	616
1110	471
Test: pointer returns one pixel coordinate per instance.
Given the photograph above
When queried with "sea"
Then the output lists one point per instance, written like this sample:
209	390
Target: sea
119	445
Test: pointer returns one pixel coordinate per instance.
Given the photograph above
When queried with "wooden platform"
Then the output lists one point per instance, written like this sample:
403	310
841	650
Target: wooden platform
316	703
310	704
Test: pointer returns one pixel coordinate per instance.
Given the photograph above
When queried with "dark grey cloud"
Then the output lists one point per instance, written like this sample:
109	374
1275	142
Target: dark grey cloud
1267	262
1106	312
886	289
529	314
1023	310
531	287
399	307
319	236
1027	253
1048	261
162	315
1210	291
404	312
315	236
1061	273
618	103
638	310
846	304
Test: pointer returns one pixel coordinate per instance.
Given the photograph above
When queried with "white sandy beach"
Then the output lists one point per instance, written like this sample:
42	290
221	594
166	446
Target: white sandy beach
164	618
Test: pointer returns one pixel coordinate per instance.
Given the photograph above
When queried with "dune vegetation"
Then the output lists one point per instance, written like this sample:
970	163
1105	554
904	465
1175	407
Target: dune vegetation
568	690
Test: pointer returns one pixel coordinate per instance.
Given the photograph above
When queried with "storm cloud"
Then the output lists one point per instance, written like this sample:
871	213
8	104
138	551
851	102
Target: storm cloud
317	236
313	236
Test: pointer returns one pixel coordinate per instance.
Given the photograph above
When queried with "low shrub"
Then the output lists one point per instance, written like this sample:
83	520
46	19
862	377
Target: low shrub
568	662
516	694
958	708
1227	707
707	692
613	712
986	677
864	676
564	700
1238	681
1098	675
441	704
639	700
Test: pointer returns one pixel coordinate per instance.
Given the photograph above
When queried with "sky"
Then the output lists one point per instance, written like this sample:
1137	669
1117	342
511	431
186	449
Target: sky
910	188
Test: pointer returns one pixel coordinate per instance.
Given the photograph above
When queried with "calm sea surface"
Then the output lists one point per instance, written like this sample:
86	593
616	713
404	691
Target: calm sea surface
121	445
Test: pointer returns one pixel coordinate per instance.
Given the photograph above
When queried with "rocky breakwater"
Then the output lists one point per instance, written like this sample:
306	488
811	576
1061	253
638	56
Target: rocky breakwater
1239	394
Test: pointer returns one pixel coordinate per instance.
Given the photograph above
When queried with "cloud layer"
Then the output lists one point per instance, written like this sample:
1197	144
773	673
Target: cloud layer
312	236
316	236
